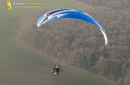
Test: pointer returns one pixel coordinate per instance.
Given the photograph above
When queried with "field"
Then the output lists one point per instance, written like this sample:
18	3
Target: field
22	65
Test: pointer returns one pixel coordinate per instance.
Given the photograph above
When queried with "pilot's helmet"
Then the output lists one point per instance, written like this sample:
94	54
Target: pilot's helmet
56	66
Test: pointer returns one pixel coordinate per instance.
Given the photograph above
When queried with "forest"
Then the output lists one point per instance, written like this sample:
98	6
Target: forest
81	44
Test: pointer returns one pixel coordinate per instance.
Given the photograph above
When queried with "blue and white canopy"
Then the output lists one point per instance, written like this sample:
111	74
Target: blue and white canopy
70	13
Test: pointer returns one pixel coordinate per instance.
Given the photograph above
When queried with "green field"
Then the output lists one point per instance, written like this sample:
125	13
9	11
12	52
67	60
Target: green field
22	65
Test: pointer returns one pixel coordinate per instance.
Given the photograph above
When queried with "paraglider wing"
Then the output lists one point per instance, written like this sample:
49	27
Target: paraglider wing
70	13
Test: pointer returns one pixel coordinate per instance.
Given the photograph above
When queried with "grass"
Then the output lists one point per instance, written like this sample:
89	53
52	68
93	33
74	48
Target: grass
22	65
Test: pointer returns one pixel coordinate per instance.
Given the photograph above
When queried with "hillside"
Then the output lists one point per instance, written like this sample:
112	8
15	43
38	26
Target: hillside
22	65
80	44
114	4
